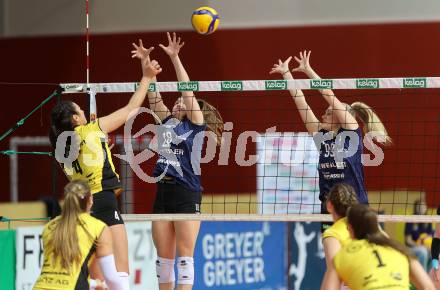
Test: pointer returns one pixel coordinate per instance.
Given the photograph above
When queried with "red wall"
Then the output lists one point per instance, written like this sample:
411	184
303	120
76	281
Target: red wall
411	117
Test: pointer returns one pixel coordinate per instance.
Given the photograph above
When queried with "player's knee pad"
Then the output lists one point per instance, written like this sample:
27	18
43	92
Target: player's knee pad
165	270
185	270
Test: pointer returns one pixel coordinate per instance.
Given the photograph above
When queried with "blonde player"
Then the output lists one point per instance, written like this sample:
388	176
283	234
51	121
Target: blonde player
340	198
70	241
340	119
372	260
93	162
179	189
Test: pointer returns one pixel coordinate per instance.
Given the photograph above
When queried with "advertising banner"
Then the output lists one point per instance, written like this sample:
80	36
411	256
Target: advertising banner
141	256
7	259
29	256
307	260
287	175
241	255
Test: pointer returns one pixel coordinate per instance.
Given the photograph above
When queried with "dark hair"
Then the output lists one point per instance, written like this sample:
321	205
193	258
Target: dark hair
61	120
213	119
342	196
363	221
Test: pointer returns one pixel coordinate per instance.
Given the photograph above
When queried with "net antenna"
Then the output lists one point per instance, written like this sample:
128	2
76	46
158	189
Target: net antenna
90	92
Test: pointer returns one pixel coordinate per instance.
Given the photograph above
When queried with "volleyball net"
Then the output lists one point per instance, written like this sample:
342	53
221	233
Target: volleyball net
266	167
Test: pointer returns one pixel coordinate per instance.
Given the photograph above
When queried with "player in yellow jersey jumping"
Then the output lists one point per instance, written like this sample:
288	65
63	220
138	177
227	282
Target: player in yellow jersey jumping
71	239
82	150
372	260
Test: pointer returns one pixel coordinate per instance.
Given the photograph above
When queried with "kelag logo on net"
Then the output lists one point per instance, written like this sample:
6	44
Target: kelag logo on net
232	85
321	84
414	83
187	86
276	85
367	83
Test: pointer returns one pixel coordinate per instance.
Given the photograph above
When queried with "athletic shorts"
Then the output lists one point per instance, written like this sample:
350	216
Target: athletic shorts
171	197
105	208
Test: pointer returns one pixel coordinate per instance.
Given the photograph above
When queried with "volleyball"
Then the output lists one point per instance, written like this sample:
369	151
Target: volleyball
205	20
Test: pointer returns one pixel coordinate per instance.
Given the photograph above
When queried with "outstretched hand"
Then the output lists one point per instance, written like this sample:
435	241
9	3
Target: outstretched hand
140	51
281	67
303	62
150	68
174	45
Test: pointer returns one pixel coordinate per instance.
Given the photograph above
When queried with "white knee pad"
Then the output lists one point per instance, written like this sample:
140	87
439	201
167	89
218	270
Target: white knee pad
185	270
165	270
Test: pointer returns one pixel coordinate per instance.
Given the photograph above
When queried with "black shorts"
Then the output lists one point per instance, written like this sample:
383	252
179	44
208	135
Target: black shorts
105	208
171	197
325	225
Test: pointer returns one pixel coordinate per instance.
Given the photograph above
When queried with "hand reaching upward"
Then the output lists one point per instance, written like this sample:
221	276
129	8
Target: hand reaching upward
174	45
303	62
149	68
281	67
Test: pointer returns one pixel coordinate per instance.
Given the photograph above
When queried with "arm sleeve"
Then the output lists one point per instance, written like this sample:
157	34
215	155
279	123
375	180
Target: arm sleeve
111	276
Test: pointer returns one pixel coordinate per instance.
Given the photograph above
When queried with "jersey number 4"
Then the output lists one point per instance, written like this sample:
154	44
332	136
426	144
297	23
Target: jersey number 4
77	167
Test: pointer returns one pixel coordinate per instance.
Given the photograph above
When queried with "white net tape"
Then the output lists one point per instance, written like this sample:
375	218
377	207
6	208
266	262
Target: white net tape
261	85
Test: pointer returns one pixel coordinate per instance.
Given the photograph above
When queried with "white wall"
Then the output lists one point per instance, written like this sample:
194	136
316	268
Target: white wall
48	17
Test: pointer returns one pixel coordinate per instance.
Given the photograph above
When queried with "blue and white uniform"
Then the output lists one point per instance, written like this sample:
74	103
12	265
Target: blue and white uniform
179	147
349	170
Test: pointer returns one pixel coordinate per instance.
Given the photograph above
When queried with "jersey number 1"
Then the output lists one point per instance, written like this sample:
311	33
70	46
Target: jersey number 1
379	259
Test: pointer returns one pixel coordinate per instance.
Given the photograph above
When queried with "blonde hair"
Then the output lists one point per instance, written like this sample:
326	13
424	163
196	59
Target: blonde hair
64	241
212	118
371	121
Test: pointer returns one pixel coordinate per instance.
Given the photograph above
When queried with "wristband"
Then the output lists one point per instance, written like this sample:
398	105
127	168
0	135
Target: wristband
435	264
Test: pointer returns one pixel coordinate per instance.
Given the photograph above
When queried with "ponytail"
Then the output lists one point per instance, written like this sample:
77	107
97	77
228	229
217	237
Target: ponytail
363	221
372	122
212	118
64	241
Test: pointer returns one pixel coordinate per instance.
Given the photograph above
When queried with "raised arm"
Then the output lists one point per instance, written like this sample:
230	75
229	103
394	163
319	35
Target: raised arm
150	69
346	120
156	104
308	117
194	114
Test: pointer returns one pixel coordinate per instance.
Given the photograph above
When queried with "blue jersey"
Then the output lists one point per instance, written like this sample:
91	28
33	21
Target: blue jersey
348	170
415	230
179	148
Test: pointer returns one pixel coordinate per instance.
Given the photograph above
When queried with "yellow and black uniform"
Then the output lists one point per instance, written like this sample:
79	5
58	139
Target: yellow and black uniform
338	231
94	165
53	276
366	266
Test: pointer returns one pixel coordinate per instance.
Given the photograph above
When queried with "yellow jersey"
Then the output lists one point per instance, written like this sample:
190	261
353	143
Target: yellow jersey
339	231
53	276
365	266
94	163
